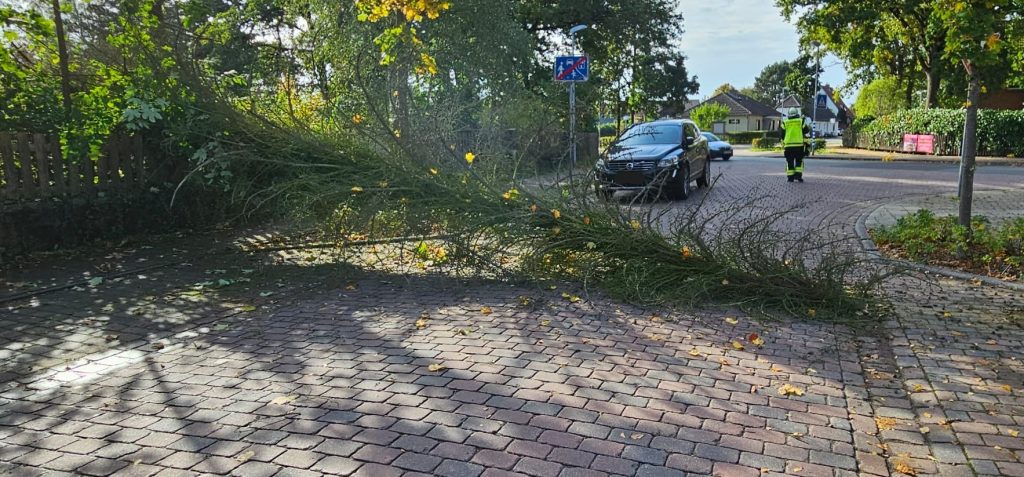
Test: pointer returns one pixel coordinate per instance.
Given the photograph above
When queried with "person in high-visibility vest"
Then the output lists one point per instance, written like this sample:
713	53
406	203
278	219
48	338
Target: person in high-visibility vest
793	144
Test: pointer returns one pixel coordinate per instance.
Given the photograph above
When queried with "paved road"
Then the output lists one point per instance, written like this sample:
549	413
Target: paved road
353	373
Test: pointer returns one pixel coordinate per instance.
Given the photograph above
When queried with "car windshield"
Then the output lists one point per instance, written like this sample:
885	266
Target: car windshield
711	137
652	134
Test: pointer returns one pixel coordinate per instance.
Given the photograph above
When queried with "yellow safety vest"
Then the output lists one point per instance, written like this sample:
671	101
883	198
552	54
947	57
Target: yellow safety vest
794	132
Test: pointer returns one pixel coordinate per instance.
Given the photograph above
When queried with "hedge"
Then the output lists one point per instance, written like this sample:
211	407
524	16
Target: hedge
747	137
1000	133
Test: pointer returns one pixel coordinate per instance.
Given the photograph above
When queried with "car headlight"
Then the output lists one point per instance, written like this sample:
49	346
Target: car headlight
666	162
602	163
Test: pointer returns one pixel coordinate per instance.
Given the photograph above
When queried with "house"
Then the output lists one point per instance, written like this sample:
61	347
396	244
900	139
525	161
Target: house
830	116
745	113
1009	98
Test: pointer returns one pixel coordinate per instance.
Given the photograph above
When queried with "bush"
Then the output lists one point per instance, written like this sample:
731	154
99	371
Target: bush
1000	133
765	143
606	130
747	137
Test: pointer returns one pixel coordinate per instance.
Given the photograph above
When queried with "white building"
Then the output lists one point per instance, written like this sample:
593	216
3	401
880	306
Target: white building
829	118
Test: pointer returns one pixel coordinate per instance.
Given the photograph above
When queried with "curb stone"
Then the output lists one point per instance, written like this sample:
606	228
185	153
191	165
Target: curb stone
869	247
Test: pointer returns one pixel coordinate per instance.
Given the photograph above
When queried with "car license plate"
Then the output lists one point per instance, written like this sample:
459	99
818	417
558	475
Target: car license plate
630	178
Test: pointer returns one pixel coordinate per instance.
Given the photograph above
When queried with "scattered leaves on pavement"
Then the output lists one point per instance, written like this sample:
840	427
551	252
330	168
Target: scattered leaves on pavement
885	423
421	323
736	345
244	456
284	399
790	390
904	468
437	368
755	339
96	281
486	310
731	320
693	352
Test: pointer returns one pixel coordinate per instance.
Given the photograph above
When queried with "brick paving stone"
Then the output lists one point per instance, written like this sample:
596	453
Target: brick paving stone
336	465
453	468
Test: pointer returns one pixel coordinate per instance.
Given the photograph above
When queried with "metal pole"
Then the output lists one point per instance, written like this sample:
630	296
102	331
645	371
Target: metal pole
814	106
572	112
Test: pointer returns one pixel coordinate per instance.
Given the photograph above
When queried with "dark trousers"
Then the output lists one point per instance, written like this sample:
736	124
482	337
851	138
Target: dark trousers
795	161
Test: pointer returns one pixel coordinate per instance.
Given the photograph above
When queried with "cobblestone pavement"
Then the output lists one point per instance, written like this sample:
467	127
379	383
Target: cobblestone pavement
233	365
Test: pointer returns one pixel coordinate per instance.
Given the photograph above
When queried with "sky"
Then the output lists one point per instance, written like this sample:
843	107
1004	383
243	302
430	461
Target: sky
731	41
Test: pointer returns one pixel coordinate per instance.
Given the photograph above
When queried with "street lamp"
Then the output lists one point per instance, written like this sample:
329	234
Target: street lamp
572	99
814	98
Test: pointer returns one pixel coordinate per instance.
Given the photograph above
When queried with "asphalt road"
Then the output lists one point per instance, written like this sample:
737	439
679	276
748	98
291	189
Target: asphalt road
836	192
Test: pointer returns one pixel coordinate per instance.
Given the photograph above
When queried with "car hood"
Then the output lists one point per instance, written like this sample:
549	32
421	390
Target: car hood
644	152
719	145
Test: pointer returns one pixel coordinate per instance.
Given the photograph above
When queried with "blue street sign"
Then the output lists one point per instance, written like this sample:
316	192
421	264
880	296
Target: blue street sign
821	101
572	68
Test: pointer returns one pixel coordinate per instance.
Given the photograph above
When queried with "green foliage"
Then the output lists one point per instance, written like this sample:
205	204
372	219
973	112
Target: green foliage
747	137
1000	132
879	97
765	143
922	236
708	114
723	88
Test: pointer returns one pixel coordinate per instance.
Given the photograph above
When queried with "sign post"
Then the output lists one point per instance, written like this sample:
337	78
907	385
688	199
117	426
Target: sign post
572	69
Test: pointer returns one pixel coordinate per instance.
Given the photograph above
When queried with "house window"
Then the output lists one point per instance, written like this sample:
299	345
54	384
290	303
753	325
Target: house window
734	121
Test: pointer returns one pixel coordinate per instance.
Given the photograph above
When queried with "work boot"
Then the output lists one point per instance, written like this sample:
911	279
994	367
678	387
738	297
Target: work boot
789	178
799	177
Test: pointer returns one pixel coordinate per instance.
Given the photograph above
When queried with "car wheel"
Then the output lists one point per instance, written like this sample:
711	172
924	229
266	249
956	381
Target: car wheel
682	184
705	178
726	158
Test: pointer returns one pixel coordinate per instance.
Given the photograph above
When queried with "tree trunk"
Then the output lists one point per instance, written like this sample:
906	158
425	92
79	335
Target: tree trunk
933	75
969	149
62	55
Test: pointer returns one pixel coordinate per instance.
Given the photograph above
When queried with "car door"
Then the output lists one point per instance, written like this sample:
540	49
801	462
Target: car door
692	143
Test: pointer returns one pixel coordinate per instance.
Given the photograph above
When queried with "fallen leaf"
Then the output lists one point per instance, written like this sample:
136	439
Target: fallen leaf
885	423
918	388
244	456
158	345
95	281
465	331
811	312
731	320
637	436
1013	432
110	337
557	214
693	352
788	390
797	469
421	323
266	294
545	322
350	286
755	339
1007	388
924	429
904	468
736	345
571	298
284	399
248	308
486	310
436	368
724	362
656	337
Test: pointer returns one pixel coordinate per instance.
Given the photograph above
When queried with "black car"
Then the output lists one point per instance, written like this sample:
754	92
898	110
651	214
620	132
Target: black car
718	147
666	156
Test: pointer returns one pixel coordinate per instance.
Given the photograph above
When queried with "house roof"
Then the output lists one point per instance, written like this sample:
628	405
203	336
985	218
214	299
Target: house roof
742	105
791	101
835	98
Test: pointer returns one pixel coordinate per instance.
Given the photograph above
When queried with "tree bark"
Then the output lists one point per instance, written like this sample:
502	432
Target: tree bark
62	56
933	75
969	149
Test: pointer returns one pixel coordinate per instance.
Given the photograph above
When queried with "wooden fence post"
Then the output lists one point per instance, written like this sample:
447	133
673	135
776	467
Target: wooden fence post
28	182
11	174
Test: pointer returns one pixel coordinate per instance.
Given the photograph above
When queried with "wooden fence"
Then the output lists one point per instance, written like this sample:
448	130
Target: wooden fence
943	145
32	167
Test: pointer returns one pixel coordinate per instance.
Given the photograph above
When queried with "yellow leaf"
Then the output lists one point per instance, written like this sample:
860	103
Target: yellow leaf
731	320
947	314
992	41
693	352
244	456
470	157
686	252
904	468
755	339
1007	388
556	214
284	399
433	171
788	389
421	323
248	308
571	298
486	310
545	322
436	368
797	469
357	118
356	189
724	361
635	224
924	429
811	312
736	345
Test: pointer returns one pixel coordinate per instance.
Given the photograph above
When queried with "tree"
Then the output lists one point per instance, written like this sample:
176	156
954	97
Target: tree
724	88
708	114
878	34
974	37
879	97
786	77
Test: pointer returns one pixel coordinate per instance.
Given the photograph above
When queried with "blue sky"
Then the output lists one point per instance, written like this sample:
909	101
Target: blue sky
730	41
